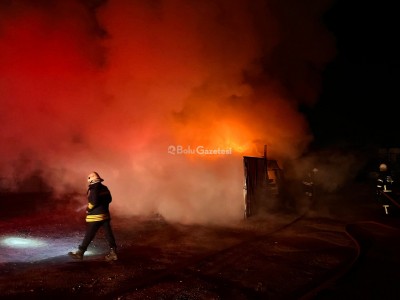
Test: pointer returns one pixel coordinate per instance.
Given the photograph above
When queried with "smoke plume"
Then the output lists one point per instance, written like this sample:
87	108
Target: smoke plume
162	98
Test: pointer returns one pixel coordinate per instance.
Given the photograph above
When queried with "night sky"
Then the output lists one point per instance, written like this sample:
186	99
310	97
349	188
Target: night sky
358	105
110	86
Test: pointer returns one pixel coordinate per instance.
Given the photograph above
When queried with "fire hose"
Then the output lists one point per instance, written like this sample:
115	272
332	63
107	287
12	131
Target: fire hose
81	208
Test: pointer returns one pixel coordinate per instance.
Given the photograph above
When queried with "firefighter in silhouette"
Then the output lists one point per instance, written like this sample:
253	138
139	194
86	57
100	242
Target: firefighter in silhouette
384	187
309	186
97	216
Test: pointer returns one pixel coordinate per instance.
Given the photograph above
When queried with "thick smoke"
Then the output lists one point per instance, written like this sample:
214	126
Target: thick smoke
111	86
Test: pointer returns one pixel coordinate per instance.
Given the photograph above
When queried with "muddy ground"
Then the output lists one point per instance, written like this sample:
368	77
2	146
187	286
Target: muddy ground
256	258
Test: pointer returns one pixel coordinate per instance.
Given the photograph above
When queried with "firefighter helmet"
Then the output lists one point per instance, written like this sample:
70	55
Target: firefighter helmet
94	177
382	167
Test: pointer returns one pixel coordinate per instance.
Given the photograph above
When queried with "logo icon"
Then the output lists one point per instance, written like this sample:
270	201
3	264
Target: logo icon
171	150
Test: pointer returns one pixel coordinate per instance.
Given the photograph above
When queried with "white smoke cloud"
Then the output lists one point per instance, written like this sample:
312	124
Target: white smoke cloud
109	89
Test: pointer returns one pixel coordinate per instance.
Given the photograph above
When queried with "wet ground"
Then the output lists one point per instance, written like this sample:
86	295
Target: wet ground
280	255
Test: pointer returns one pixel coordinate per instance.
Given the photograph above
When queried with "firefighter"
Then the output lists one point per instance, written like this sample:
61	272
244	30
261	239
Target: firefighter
97	215
384	185
309	186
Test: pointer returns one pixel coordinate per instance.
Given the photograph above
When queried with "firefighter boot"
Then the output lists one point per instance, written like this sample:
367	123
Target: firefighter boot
76	255
112	255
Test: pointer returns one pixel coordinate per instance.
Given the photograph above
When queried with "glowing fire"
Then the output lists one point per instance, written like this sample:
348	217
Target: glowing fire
110	88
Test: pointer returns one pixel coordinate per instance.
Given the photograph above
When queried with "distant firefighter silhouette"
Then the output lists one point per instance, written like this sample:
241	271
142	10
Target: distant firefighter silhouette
384	187
309	186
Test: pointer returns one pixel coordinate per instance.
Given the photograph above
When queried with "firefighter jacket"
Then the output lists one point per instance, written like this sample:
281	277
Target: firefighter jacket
99	198
384	183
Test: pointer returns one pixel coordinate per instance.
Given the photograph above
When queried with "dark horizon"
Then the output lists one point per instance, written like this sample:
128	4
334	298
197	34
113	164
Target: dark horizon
360	88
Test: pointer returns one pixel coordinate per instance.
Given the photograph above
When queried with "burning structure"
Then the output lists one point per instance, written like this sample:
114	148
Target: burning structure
263	184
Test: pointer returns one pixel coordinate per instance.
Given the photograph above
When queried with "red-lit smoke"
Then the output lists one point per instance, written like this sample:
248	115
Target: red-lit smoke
109	86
